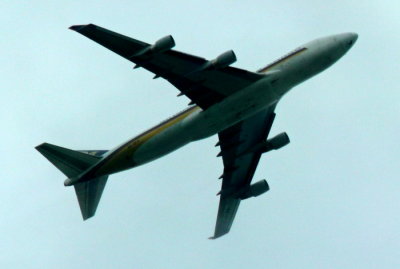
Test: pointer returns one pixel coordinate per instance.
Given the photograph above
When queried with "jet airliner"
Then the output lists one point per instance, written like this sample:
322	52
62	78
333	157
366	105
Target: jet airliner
236	104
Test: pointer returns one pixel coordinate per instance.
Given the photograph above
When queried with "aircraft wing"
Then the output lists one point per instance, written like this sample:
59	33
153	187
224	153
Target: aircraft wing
204	82
239	164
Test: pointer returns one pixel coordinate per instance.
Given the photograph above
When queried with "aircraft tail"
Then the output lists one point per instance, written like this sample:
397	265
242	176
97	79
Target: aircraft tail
73	163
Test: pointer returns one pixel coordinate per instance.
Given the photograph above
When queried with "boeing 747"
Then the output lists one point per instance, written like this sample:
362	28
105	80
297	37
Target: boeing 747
236	104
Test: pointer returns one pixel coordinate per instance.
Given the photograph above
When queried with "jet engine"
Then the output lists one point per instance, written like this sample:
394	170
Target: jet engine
163	44
223	60
278	141
255	189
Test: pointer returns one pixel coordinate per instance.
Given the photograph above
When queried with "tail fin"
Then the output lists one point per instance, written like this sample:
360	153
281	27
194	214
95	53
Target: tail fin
73	163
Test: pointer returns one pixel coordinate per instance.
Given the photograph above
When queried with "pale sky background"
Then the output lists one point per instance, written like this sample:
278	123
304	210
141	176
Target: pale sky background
335	190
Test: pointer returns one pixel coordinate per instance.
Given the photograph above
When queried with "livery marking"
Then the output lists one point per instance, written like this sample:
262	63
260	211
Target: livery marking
126	151
282	59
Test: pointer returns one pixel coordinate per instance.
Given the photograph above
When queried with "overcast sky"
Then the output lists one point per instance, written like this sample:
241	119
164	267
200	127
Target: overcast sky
334	200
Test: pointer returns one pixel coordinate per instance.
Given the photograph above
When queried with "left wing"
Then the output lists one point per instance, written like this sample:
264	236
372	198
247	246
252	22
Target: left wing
204	82
241	152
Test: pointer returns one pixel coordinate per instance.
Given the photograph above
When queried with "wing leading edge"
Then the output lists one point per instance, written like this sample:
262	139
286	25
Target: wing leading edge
240	164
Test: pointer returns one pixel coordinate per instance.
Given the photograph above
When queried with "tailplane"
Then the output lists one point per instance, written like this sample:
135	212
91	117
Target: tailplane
89	194
73	163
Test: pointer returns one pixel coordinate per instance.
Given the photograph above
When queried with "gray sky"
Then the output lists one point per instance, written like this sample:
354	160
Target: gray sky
334	200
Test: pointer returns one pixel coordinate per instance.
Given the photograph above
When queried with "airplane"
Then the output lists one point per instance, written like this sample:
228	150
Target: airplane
236	104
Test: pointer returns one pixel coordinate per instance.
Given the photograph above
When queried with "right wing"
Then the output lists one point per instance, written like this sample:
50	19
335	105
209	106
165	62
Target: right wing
239	166
194	76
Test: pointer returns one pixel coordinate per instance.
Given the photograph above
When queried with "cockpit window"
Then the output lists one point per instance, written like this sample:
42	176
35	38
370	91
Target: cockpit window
282	59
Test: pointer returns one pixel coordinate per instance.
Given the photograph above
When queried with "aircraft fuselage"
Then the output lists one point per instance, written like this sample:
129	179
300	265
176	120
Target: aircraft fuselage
195	124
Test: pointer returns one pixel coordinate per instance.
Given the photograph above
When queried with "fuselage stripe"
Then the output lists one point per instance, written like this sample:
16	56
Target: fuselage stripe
281	60
127	150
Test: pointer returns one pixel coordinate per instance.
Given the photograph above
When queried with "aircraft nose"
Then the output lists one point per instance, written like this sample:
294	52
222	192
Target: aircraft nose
347	40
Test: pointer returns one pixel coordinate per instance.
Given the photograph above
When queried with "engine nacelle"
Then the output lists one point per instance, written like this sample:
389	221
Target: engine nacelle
255	189
278	141
163	44
225	59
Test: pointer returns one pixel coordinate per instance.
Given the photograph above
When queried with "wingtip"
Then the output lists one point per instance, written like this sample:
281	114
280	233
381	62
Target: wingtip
79	27
212	238
87	216
40	146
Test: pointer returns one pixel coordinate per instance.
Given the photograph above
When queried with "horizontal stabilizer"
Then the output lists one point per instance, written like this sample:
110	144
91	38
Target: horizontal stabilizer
70	162
89	194
73	163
